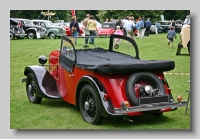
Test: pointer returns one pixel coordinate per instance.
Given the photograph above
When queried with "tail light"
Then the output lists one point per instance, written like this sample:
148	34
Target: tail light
179	98
125	104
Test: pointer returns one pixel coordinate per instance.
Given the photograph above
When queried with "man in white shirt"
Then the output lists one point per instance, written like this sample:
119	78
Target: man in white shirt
124	21
187	20
129	27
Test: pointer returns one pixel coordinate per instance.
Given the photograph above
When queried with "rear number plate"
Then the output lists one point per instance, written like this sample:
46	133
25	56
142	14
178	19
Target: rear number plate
153	99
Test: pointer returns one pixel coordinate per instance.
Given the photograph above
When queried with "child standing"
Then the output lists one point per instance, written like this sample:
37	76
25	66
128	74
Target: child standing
118	31
170	36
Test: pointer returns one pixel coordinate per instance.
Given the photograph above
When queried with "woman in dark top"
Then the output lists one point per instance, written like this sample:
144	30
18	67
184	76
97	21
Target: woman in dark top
74	27
119	23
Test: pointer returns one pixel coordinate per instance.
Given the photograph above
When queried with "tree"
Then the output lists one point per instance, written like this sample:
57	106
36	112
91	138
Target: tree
36	14
115	14
101	15
175	14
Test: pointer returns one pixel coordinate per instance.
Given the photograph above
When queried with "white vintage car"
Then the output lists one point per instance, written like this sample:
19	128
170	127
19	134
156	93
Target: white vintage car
184	39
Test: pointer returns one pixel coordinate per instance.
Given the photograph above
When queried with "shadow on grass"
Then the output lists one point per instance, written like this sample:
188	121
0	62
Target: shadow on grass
137	120
112	121
183	55
56	103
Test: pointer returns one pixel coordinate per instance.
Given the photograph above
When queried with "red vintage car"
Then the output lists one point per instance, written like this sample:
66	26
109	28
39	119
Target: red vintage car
102	81
107	29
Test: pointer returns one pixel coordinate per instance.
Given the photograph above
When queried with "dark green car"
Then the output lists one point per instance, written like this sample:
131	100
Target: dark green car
52	31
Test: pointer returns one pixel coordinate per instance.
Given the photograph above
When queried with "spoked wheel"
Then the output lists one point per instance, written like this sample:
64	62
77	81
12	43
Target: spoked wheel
89	105
31	89
143	84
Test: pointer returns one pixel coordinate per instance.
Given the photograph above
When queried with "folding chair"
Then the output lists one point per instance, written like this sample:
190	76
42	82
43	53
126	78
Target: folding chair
187	108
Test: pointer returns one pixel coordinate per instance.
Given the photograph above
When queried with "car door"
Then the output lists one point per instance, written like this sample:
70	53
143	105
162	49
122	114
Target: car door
67	62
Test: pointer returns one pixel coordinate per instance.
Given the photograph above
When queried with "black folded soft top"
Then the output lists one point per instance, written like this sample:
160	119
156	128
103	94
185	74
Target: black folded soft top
109	62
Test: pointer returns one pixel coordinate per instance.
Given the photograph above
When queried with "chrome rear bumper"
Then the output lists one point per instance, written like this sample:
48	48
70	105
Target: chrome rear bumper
149	107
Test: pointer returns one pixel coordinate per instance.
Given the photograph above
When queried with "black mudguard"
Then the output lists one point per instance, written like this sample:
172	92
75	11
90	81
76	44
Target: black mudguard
32	30
47	87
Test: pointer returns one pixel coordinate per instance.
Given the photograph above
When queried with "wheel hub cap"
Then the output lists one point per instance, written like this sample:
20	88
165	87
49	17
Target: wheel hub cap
86	105
29	88
149	89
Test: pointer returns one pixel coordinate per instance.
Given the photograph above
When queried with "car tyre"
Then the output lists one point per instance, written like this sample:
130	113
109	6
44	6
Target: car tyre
30	35
31	89
12	36
89	105
189	47
136	80
52	35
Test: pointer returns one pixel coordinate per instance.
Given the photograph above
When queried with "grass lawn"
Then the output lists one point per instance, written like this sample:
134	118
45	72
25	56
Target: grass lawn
57	114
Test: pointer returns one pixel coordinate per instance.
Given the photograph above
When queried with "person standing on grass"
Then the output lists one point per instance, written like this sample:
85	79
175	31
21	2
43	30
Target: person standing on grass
170	36
85	21
144	27
123	24
118	32
138	26
156	27
74	28
92	27
187	20
148	26
129	27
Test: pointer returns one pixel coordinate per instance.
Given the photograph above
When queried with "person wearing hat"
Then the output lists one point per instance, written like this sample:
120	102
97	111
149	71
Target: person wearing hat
187	20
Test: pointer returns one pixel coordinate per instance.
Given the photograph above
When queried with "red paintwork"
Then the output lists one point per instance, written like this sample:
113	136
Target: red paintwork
106	31
114	84
68	32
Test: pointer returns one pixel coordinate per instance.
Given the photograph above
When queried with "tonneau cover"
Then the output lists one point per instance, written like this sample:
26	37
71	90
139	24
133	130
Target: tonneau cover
108	62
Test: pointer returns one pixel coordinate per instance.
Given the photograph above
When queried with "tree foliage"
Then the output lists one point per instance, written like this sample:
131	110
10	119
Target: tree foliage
101	15
115	14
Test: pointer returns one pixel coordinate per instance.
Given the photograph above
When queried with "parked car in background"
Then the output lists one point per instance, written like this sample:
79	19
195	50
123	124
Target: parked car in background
59	21
31	29
178	25
184	39
16	31
107	29
52	30
165	25
68	31
102	81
